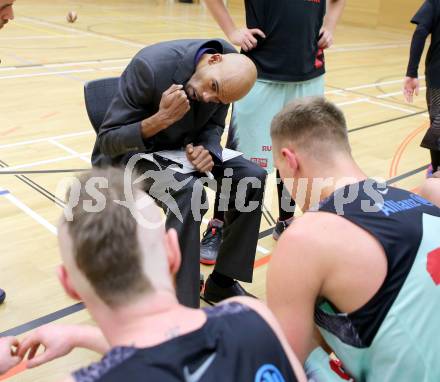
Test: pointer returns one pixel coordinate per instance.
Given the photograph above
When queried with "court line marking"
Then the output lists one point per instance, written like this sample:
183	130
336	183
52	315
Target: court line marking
30	212
352	102
404	110
372	85
69	150
37	37
39	140
42	74
63	64
364	48
422	113
28	326
48	161
371	101
84	33
386	95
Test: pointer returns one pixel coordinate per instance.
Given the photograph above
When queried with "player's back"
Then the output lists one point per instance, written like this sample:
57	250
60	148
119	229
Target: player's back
235	344
393	337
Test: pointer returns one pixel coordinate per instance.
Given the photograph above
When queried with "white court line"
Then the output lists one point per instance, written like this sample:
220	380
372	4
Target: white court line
359	100
407	111
372	85
47	161
397	93
38	218
364	48
113	68
263	250
370	44
80	63
335	92
84	33
43	37
370	101
69	150
46	74
39	140
64	64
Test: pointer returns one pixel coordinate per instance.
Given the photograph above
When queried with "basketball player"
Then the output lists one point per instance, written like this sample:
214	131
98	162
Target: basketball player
124	268
6	14
427	20
361	264
285	39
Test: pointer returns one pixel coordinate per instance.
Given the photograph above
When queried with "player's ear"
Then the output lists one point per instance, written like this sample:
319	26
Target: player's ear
291	159
173	251
63	277
215	59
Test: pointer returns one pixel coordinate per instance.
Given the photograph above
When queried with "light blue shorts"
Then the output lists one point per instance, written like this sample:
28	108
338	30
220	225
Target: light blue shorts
253	114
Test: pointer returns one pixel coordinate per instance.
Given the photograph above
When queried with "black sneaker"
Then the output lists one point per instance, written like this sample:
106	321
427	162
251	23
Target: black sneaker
210	245
280	227
2	296
215	293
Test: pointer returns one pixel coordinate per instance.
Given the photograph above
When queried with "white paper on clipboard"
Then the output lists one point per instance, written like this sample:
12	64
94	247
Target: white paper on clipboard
184	166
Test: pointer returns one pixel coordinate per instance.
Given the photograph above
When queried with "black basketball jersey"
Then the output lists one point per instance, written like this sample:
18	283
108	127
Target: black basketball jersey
235	344
397	219
290	50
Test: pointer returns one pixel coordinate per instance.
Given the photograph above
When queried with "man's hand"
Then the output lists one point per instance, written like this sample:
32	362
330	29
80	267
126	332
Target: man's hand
57	340
411	86
325	38
200	158
244	37
173	105
8	354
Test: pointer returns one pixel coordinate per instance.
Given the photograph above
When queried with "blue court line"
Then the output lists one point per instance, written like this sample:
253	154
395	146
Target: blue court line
4	192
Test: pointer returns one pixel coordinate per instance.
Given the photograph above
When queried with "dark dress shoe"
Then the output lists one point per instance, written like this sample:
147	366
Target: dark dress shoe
2	296
216	293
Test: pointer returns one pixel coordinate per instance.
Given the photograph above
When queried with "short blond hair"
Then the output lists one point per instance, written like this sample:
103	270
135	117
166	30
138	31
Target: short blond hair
311	122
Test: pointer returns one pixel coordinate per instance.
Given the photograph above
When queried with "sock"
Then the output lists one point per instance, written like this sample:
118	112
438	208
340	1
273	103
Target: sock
435	160
284	196
221	280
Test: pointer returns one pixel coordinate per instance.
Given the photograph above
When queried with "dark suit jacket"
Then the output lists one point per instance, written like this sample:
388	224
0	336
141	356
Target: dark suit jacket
152	71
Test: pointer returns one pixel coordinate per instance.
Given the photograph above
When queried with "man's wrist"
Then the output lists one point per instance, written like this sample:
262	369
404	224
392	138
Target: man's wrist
153	125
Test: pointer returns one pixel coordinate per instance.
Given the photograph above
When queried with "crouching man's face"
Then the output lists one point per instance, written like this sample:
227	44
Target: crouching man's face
6	12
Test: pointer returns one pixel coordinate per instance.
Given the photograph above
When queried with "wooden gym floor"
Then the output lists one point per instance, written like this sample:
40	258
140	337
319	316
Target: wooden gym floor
44	126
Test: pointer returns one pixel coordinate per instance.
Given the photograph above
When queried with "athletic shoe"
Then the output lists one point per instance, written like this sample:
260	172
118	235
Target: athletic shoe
215	293
210	245
280	227
2	296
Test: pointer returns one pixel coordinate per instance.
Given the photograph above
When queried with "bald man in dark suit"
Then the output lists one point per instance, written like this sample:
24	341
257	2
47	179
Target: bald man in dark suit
176	95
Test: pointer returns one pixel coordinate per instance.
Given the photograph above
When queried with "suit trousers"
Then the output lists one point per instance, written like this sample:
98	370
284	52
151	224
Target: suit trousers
183	198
